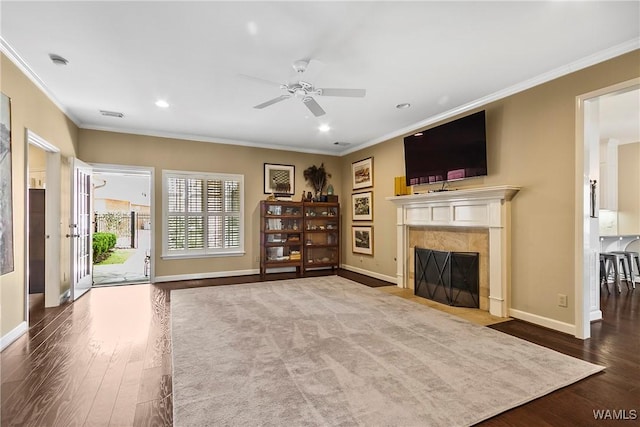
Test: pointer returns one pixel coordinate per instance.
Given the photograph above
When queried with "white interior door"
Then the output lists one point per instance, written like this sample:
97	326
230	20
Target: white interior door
81	229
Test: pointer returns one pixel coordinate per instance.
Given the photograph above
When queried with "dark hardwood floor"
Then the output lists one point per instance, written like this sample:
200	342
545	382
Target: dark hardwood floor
106	360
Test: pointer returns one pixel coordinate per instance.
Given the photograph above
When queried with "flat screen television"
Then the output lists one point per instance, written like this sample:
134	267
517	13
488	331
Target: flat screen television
449	152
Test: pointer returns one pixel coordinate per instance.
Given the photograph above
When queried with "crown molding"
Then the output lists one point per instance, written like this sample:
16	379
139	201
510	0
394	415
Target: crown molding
22	65
580	64
213	140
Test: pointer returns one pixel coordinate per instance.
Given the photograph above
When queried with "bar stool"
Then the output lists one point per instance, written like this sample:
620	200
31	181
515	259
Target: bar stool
613	261
632	258
603	273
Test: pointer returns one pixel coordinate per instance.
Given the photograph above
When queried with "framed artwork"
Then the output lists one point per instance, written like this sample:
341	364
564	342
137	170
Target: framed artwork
6	203
362	206
362	173
279	179
362	239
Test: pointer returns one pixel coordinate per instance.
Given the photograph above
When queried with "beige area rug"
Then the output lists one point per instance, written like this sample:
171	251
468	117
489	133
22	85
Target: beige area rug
327	351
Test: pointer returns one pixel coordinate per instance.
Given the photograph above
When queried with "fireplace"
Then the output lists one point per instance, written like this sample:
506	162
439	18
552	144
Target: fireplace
450	278
462	213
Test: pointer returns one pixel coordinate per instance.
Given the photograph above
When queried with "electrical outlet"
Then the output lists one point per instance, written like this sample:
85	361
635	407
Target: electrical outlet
562	300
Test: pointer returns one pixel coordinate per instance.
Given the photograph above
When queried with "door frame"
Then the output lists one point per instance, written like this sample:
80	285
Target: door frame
586	249
139	170
52	286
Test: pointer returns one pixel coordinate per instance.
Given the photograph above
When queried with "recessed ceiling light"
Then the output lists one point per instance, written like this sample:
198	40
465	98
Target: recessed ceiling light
162	103
324	128
252	28
57	59
403	106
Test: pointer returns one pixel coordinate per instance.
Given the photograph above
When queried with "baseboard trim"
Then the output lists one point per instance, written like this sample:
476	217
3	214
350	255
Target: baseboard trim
207	275
13	335
393	280
595	315
556	325
65	296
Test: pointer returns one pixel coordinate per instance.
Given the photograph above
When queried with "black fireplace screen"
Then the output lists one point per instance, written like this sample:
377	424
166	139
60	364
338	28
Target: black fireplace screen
447	277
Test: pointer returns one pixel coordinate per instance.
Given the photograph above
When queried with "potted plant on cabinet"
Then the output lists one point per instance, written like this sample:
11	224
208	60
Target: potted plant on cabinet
316	177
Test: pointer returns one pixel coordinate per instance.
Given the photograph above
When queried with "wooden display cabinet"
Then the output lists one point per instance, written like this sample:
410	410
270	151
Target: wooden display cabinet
281	235
321	235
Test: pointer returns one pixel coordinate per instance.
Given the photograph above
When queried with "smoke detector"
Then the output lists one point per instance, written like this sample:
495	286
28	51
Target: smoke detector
57	59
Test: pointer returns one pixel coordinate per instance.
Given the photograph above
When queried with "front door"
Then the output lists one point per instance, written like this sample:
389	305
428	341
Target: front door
80	229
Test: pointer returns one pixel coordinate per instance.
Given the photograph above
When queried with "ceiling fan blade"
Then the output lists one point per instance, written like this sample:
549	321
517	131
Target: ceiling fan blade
260	80
354	93
272	101
313	106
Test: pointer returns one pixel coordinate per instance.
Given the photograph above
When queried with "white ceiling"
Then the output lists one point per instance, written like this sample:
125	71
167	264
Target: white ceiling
442	57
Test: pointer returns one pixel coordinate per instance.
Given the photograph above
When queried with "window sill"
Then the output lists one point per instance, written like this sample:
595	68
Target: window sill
196	255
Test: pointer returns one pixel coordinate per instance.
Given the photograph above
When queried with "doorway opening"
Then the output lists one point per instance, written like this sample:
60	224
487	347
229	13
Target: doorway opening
36	184
607	119
122	211
42	256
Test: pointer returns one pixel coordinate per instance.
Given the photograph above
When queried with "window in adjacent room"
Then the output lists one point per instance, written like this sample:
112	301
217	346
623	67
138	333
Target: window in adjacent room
203	214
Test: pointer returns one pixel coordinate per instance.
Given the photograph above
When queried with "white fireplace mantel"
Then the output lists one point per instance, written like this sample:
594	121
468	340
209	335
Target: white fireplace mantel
486	207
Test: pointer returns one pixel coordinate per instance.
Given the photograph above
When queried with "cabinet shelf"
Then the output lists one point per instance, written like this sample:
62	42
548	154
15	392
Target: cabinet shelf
300	222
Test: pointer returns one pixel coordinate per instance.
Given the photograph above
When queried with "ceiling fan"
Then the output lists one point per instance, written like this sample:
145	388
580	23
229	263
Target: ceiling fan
304	91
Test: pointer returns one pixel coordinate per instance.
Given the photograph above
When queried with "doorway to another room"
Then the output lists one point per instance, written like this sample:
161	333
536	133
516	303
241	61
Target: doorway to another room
37	235
608	208
122	226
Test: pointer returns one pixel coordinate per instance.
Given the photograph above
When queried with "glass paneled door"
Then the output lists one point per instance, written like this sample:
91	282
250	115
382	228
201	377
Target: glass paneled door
80	229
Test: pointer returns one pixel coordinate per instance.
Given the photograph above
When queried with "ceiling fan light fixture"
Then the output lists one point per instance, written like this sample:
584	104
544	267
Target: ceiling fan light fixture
403	106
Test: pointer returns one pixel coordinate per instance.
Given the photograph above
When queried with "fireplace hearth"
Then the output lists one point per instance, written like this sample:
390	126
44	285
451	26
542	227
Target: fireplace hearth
447	277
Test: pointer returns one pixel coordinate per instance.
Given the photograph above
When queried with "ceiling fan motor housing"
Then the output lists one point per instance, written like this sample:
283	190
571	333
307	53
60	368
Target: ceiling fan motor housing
300	66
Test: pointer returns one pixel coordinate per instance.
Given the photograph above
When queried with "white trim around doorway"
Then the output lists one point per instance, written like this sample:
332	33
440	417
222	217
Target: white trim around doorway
587	290
140	171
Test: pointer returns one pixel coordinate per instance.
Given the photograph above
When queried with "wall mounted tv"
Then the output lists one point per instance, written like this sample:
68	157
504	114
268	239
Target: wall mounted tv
449	152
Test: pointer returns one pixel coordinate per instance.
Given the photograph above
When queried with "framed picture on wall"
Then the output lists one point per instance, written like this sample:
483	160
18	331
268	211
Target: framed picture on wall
362	173
6	203
362	239
362	206
279	179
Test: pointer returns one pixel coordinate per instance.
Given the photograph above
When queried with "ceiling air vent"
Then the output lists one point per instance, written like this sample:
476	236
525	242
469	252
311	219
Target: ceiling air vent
342	144
112	114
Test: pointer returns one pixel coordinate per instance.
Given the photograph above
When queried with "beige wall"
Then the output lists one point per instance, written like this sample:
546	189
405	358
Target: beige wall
30	109
172	154
531	143
37	167
388	162
629	188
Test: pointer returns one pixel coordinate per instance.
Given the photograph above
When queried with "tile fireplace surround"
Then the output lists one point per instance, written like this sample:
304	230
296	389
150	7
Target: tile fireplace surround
460	212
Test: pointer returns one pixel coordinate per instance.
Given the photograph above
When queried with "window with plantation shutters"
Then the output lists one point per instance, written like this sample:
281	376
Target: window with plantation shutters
203	214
